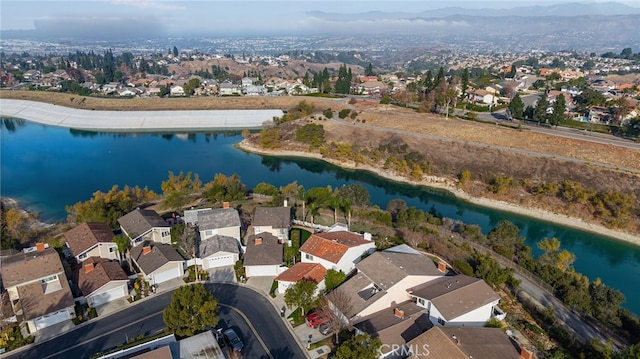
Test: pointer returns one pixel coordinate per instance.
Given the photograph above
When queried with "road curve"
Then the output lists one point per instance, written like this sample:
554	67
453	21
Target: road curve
146	318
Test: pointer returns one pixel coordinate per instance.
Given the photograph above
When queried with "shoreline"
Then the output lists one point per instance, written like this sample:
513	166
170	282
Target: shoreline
448	185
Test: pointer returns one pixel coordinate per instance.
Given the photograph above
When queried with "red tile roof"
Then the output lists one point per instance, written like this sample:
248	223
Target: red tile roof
332	246
312	271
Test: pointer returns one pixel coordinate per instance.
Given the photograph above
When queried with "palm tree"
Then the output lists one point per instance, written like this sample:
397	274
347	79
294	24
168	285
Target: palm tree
123	245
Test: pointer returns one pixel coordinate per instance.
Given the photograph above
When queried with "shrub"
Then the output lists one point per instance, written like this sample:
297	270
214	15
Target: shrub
344	113
328	113
385	100
311	134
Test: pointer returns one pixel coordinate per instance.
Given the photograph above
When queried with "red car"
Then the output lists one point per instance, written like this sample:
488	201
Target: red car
314	319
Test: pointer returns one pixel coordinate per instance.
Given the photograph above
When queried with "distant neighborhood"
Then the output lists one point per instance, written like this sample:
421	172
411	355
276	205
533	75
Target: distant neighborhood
485	82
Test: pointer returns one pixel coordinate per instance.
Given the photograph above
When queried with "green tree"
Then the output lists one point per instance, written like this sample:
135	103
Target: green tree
360	346
559	109
108	207
270	138
516	107
488	269
343	83
553	256
266	189
191	86
224	188
177	190
333	279
464	82
192	310
355	193
302	294
540	113
175	51
368	71
123	244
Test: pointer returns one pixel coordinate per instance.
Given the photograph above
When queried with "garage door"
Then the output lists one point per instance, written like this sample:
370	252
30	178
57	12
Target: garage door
166	275
261	271
221	261
106	297
51	319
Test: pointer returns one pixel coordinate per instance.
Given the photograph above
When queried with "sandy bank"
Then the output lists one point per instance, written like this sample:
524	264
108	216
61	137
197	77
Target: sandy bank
450	186
193	120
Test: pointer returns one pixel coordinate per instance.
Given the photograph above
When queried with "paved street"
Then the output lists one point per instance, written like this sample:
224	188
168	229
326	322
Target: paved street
250	313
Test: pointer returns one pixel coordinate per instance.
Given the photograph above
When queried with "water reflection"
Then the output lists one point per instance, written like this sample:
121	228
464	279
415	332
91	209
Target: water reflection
11	124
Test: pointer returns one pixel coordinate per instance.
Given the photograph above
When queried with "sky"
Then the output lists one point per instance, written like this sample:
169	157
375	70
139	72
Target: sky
114	18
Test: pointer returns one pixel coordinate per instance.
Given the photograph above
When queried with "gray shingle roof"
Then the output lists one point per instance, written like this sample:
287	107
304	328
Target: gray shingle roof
140	221
160	255
218	218
217	243
456	295
276	217
392	329
269	252
387	268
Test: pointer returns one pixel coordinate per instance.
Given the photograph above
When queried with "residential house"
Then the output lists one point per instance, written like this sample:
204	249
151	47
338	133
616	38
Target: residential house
263	256
218	251
158	262
177	90
383	279
37	287
227	88
110	88
145	225
91	239
310	271
483	96
217	221
394	326
339	250
457	301
102	281
465	343
274	220
248	81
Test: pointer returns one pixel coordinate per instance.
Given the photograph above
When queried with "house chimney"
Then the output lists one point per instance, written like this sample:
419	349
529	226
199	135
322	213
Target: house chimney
398	312
88	267
40	247
442	267
526	354
367	236
258	241
286	202
146	250
225	204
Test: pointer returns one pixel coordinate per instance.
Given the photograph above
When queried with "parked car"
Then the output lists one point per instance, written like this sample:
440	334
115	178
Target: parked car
233	339
325	329
315	319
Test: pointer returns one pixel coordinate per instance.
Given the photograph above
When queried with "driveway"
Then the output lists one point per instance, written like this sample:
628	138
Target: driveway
222	275
262	284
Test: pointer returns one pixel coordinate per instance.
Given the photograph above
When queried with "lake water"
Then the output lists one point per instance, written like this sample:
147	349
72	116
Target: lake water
47	168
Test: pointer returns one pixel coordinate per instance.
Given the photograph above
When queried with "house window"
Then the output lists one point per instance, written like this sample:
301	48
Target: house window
82	256
208	232
421	301
441	321
308	256
112	249
166	233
